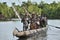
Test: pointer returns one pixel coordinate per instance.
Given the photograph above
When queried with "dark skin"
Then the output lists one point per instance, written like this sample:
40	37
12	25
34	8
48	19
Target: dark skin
43	22
25	18
33	24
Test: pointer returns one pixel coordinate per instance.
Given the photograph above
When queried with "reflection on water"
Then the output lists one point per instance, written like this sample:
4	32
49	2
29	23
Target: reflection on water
6	28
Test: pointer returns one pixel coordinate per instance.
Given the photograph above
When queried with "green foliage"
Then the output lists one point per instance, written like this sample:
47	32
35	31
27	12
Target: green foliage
52	10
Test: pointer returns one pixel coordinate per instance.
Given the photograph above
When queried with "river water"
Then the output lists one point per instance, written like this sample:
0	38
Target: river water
7	27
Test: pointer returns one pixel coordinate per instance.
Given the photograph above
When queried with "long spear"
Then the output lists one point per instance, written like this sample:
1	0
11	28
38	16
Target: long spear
25	10
16	12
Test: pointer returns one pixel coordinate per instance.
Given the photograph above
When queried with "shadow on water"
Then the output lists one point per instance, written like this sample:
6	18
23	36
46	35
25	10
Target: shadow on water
21	39
26	39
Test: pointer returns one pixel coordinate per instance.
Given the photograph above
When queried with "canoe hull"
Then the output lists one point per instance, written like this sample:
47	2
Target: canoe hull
28	32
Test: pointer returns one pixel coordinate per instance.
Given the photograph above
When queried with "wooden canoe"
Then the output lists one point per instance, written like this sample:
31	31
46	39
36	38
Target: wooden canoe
28	32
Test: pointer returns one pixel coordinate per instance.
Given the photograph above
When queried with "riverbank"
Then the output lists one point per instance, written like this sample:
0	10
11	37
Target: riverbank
16	19
13	19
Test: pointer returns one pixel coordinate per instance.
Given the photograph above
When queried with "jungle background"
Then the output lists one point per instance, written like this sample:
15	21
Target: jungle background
52	10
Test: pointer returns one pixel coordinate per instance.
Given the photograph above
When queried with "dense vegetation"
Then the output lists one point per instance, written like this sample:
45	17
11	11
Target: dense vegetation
52	10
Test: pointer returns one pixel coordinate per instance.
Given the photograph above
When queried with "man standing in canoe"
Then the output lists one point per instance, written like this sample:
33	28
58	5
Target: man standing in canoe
25	20
43	20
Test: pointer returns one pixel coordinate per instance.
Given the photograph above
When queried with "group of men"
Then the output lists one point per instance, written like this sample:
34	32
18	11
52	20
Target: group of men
33	21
